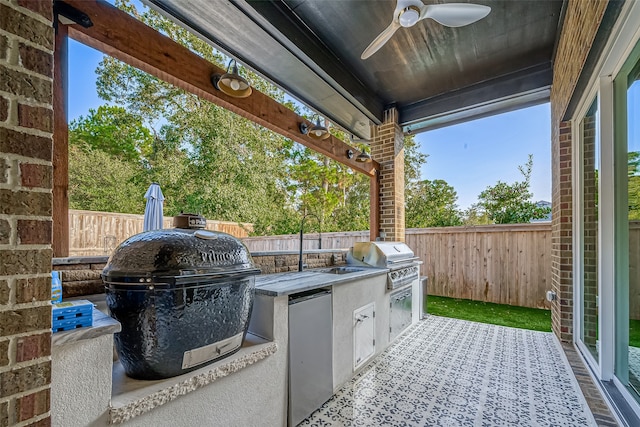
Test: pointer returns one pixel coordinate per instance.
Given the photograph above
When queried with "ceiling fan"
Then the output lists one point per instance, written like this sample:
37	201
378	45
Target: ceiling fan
410	12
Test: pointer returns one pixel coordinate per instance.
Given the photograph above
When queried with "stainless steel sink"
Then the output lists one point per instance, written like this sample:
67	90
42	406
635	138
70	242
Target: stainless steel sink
340	270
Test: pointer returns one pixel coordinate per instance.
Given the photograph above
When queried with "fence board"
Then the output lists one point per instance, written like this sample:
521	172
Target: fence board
98	233
291	242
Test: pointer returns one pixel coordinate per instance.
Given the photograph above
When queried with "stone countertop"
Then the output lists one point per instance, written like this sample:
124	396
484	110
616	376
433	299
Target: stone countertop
297	252
131	398
102	325
299	281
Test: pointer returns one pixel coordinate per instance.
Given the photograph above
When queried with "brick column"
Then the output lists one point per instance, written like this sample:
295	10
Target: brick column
579	30
561	232
26	114
387	148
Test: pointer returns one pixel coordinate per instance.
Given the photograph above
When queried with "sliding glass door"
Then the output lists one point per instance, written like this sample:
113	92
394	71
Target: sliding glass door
627	223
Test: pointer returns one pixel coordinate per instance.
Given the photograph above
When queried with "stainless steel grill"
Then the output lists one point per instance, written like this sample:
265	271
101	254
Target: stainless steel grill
403	265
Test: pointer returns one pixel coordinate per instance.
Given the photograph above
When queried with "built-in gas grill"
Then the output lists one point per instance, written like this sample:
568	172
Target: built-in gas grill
403	265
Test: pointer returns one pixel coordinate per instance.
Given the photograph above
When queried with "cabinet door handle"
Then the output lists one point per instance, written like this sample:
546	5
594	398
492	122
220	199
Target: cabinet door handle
361	318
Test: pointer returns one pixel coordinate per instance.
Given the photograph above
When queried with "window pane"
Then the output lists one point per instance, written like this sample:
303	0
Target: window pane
633	201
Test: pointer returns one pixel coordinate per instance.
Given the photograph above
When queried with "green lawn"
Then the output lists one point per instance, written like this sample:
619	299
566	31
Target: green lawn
496	314
634	333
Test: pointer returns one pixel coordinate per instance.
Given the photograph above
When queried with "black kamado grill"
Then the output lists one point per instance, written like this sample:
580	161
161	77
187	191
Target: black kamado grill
183	297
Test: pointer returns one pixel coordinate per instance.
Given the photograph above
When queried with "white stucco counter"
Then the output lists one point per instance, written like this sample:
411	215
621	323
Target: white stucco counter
249	387
81	361
354	289
90	388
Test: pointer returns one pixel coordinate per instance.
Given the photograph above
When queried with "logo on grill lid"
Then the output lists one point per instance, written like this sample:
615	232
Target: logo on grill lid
222	258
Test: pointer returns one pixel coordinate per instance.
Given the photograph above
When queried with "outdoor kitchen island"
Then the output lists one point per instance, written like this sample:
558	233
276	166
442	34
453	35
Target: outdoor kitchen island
249	387
360	312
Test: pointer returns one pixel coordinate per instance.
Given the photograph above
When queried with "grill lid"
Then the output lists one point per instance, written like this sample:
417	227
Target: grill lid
178	255
380	254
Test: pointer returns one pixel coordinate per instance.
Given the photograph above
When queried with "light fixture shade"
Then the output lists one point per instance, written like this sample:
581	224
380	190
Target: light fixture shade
318	131
232	83
363	157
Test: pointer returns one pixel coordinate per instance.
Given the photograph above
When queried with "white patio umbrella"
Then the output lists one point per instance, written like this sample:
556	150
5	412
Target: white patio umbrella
153	211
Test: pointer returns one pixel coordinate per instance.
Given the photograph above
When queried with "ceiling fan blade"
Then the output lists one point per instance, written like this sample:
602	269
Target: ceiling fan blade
379	41
455	14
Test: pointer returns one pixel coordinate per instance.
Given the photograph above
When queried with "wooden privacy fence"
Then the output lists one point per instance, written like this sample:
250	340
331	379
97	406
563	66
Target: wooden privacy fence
506	264
98	233
291	242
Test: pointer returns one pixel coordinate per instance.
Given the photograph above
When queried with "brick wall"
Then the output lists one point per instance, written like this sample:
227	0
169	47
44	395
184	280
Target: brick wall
562	235
387	148
26	59
590	230
581	23
579	30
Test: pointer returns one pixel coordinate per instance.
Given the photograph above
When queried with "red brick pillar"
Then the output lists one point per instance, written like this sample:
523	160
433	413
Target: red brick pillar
561	232
581	22
387	148
26	70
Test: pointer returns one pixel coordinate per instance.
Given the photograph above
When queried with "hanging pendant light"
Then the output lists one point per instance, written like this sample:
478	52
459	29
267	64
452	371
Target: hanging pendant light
232	83
316	131
363	157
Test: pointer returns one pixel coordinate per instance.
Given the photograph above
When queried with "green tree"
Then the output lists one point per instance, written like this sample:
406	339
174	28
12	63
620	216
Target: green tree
99	181
432	204
211	161
475	215
413	160
634	185
113	130
511	203
207	159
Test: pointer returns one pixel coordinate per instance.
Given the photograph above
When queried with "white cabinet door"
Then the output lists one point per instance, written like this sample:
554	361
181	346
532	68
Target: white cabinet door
364	334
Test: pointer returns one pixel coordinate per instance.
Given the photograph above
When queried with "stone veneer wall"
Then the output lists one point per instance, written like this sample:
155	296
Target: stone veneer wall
581	23
26	126
387	148
81	275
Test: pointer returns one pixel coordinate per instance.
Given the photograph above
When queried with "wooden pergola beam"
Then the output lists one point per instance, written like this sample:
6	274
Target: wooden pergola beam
60	157
121	36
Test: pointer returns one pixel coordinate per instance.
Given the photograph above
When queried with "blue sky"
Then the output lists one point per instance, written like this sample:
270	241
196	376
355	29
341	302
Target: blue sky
469	156
473	155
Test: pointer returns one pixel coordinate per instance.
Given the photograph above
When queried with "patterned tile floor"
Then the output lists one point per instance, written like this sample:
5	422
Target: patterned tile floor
450	372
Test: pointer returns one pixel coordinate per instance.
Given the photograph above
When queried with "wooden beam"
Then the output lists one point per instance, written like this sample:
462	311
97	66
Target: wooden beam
121	36
60	243
374	208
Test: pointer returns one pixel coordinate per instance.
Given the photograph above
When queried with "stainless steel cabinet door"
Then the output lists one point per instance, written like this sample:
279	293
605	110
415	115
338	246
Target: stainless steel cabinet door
310	356
364	334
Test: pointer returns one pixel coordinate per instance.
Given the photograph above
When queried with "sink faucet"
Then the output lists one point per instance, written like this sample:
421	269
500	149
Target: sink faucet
302	238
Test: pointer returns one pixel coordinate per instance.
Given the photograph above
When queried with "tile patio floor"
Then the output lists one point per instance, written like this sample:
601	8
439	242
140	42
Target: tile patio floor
450	372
